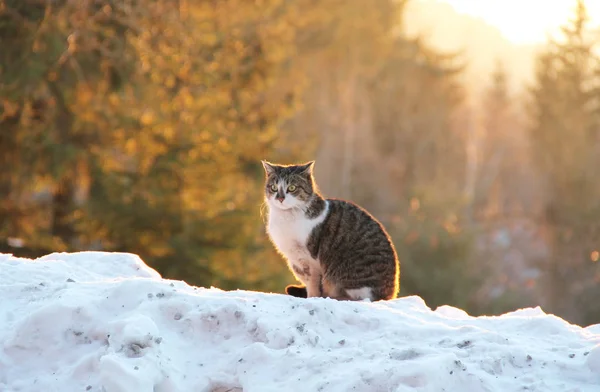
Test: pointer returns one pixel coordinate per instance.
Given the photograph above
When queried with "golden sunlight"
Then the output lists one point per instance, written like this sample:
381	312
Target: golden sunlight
524	22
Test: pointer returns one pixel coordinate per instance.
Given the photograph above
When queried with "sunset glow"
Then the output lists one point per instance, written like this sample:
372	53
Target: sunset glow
521	21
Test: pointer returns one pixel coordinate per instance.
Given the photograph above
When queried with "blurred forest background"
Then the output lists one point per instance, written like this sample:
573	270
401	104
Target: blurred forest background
139	125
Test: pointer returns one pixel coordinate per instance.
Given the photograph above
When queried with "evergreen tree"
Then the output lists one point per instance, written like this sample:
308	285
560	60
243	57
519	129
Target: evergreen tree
57	59
564	139
383	108
498	130
502	205
144	123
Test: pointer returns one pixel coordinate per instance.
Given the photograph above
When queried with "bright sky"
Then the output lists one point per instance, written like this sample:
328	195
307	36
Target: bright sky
524	21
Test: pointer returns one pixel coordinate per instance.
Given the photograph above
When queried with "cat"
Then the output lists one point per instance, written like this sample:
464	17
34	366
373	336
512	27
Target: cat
334	247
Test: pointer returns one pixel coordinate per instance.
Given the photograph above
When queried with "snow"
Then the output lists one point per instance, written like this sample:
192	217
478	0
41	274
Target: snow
95	321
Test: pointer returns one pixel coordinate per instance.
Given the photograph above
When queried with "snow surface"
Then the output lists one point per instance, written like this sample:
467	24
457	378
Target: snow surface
96	321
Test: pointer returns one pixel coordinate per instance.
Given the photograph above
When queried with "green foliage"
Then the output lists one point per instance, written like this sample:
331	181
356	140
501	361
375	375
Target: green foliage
565	131
143	124
138	126
435	251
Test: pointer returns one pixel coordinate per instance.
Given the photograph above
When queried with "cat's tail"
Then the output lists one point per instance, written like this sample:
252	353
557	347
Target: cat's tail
296	291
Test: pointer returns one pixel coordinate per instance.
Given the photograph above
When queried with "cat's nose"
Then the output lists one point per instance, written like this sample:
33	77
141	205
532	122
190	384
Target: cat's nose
280	195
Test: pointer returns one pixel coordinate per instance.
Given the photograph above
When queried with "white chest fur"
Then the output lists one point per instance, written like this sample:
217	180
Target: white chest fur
289	231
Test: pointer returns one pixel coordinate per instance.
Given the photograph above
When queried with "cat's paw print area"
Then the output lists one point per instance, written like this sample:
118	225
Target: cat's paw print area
104	333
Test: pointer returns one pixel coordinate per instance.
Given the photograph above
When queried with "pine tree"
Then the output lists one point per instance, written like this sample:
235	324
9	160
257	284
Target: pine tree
57	59
497	148
382	108
192	185
565	147
145	124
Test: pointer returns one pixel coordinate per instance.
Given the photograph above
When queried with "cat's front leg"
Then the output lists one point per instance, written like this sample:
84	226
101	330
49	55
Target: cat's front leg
310	276
301	270
313	286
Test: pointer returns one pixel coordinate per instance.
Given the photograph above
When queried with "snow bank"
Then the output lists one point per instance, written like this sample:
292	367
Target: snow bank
106	322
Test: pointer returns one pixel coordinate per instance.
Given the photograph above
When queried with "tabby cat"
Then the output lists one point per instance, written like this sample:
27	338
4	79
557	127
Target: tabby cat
334	247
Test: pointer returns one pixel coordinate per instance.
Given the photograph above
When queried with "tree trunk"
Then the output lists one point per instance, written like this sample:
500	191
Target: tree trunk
62	207
348	99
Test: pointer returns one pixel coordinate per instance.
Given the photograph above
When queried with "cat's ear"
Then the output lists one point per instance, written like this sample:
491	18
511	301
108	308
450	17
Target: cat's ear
269	168
307	168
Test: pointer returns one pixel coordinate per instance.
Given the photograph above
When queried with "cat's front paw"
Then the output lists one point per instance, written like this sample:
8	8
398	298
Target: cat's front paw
296	291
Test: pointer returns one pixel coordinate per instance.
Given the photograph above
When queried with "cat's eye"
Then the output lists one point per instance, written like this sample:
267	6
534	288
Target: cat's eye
291	188
273	188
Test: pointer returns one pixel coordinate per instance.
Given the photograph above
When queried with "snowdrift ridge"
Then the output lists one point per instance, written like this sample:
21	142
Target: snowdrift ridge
94	321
